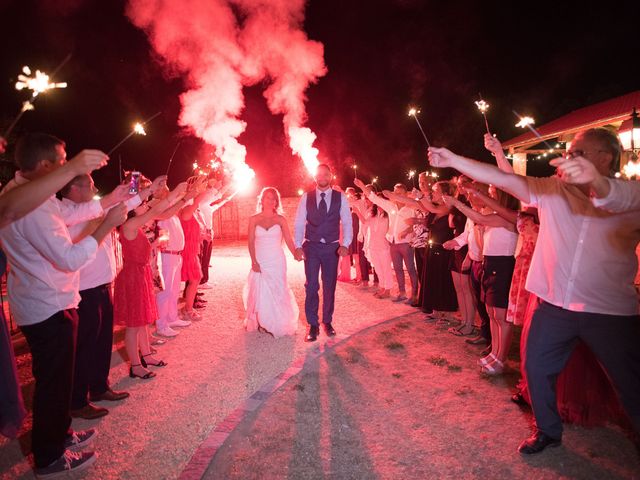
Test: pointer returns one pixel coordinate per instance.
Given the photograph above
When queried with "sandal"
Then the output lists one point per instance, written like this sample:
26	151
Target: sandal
458	332
146	376
487	360
161	363
494	368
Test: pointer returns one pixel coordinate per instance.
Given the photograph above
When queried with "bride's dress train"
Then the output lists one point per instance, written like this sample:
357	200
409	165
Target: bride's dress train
268	300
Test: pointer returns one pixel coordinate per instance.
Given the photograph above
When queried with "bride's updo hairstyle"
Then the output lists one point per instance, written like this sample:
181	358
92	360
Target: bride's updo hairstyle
275	193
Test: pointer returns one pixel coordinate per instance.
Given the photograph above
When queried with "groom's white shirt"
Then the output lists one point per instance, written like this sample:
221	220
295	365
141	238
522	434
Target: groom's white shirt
301	217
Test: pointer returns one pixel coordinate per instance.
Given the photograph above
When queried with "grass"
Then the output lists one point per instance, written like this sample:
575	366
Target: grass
394	346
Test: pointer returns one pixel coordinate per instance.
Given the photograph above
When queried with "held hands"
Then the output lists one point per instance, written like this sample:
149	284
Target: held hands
343	251
298	254
87	161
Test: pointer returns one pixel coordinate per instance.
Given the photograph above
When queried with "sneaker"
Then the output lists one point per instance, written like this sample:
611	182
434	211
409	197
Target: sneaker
205	286
191	316
400	298
180	323
166	332
78	440
68	462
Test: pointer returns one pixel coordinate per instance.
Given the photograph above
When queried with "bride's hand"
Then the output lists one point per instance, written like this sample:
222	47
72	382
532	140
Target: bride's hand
256	267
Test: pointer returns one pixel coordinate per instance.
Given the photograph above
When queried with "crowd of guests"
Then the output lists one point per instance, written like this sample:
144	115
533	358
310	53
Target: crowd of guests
483	252
65	292
545	254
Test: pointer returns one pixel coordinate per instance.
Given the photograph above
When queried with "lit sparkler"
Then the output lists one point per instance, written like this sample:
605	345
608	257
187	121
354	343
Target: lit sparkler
38	83
173	155
412	176
355	170
483	107
413	112
374	182
138	129
527	122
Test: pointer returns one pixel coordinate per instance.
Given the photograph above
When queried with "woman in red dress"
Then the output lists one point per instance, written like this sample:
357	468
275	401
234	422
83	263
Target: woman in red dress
134	296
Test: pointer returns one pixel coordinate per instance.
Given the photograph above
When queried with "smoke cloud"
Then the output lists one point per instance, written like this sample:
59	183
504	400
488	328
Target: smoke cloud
220	46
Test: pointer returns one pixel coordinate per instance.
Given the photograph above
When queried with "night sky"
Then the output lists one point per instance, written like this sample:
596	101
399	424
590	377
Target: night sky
542	59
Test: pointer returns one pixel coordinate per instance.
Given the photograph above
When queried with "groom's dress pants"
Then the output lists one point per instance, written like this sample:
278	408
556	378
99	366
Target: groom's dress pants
320	258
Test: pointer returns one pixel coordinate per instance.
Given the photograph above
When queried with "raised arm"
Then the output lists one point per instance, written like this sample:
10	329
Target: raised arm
506	213
19	201
394	197
427	205
514	184
491	220
492	144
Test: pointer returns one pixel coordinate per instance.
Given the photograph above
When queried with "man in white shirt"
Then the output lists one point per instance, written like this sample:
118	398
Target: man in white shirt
206	209
43	295
95	323
582	269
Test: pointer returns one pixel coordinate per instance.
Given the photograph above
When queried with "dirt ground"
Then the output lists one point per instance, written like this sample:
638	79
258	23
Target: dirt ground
404	400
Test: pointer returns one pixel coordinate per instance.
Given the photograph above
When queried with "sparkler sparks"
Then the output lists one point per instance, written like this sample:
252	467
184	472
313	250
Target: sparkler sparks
138	129
483	107
413	112
527	122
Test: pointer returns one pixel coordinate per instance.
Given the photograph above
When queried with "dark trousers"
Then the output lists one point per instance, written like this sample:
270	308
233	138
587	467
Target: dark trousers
554	333
475	278
320	259
365	267
403	252
52	348
93	345
420	253
205	258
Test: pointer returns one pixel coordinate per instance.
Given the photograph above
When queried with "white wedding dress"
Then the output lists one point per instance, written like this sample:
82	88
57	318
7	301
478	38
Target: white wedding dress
268	300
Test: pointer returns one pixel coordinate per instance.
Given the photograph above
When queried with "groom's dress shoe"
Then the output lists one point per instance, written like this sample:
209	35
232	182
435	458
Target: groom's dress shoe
312	335
537	443
328	329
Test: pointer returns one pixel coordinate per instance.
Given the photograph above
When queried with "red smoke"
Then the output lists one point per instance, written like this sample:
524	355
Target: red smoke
223	45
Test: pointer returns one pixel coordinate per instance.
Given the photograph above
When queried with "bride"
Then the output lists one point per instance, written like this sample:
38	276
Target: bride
270	304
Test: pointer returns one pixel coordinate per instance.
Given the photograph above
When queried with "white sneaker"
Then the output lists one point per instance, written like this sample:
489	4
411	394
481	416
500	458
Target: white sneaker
191	316
180	323
166	332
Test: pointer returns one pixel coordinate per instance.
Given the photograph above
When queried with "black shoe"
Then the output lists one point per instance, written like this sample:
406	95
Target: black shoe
109	396
537	443
89	412
312	335
518	399
328	329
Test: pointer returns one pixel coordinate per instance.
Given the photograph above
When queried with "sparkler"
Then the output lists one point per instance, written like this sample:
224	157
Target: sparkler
411	175
483	107
413	112
38	83
374	182
138	129
173	155
355	170
527	122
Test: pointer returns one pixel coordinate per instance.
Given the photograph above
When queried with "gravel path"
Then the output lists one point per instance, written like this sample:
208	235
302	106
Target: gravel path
213	366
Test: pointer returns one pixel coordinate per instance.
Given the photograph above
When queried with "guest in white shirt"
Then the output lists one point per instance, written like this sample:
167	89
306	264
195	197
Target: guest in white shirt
43	294
582	269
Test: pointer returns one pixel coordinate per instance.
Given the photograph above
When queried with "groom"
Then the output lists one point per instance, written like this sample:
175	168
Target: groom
318	225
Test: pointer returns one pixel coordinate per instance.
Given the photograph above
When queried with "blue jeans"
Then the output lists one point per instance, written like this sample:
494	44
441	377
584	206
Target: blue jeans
403	252
320	258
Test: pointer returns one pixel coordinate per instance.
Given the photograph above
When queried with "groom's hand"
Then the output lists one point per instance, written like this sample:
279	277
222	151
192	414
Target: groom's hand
343	251
299	254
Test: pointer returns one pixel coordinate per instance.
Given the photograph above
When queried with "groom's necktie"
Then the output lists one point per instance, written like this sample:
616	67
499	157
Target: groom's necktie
322	207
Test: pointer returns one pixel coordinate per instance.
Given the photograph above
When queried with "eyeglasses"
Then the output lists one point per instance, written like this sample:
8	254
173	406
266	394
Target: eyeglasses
582	153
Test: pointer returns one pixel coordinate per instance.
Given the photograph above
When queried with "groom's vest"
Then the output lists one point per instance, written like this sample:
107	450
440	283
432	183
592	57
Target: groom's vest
320	226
